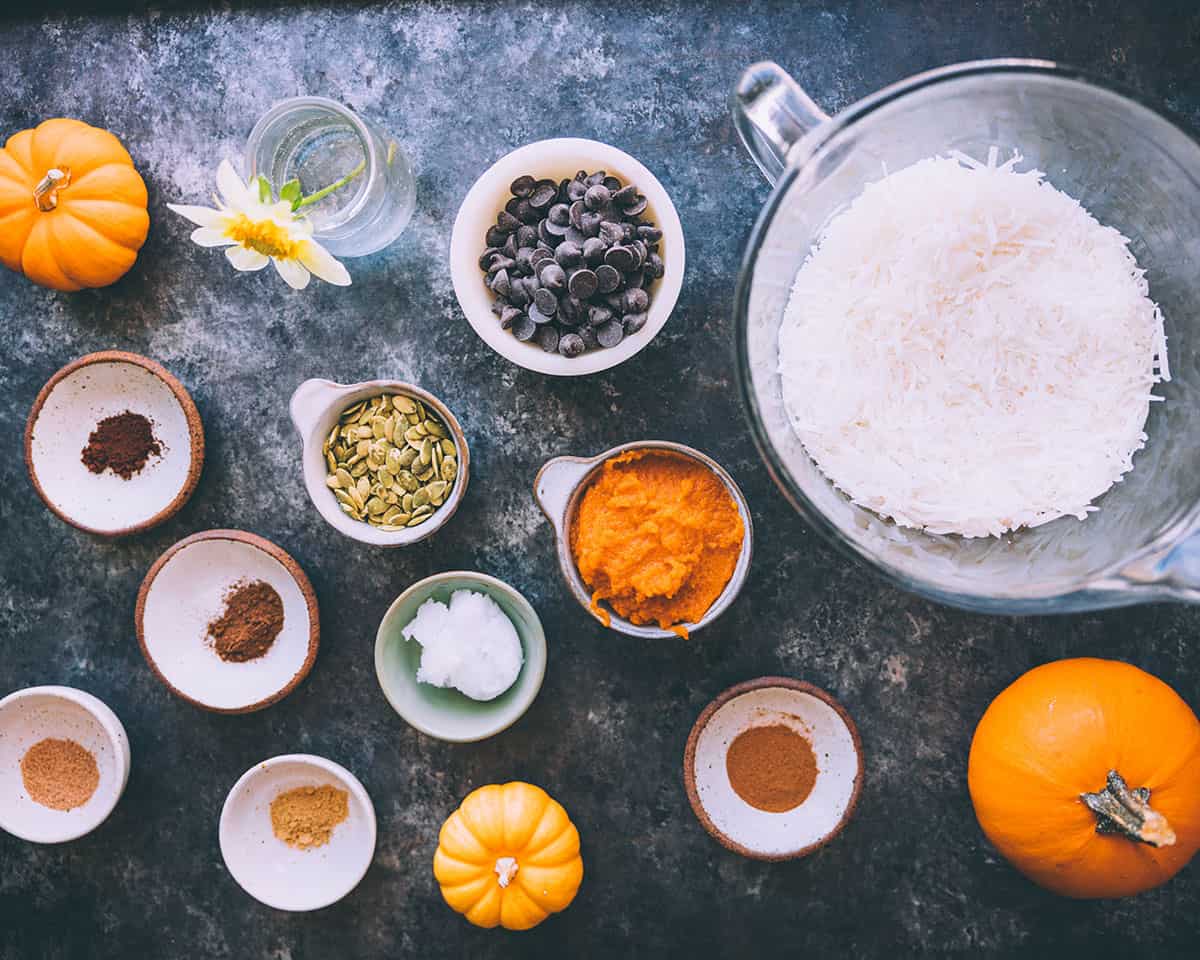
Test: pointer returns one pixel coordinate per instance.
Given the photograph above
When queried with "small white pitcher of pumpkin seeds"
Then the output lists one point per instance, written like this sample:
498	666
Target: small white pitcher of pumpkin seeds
385	462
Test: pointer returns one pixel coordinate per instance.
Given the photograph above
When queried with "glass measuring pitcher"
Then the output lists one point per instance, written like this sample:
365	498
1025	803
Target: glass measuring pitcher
1133	169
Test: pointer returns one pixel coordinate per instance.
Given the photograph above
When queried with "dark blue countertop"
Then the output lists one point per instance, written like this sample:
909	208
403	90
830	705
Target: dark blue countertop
460	85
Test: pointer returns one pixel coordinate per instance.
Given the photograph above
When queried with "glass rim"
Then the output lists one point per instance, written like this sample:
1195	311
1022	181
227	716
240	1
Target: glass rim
1100	589
282	107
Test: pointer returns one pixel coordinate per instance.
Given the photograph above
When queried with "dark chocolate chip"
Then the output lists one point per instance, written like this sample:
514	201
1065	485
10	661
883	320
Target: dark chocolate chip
545	302
495	237
610	334
654	265
559	213
526	235
485	258
612	183
597	196
527	214
519	294
620	257
607	278
522	259
625	195
593	250
574	236
611	233
598	316
508	315
568	254
510	246
524	328
543	194
635	300
649	234
513	205
637	207
634	322
546	235
500	283
614	301
588	336
635	278
539	255
558	229
583	284
562	191
575	213
571	310
537	316
500	262
522	186
590	224
571	345
576	190
507	222
547	338
594	178
552	275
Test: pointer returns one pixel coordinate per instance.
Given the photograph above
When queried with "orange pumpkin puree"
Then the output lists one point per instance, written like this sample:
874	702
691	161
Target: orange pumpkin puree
657	535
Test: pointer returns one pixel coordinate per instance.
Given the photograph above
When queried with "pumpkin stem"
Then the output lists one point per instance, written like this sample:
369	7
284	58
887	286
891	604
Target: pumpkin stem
506	868
45	194
1128	812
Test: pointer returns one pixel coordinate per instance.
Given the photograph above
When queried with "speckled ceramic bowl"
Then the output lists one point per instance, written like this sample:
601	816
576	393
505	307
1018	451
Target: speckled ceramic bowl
184	591
316	406
559	159
37	713
66	412
446	713
281	876
559	488
745	829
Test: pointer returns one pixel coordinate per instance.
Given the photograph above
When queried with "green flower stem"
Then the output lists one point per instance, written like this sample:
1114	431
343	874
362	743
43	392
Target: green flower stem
326	191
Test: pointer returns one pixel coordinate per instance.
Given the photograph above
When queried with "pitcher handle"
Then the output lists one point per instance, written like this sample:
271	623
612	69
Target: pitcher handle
772	113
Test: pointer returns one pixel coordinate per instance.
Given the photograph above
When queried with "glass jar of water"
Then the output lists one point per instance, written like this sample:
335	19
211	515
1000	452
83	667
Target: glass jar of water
324	145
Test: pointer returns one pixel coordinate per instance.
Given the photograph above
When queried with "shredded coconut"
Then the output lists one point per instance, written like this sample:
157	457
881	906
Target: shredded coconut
967	350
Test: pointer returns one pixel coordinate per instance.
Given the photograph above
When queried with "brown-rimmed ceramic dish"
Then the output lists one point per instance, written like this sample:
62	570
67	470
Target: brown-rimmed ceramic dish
185	590
812	713
65	413
559	488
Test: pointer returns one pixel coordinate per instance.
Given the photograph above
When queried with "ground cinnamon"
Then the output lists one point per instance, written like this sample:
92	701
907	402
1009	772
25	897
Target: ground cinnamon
252	620
305	816
772	768
59	774
121	443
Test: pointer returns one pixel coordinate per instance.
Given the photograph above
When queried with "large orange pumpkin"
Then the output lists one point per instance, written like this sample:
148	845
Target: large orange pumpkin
509	856
72	207
1085	774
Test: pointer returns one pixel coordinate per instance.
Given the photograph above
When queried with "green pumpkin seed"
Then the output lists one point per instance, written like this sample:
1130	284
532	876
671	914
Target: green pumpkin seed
331	462
407	481
417	521
332	482
448	448
343	478
421	498
426	452
404	404
407	502
358	469
449	468
375	506
435	429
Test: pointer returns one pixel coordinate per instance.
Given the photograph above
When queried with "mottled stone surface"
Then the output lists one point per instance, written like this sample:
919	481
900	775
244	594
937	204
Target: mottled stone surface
459	86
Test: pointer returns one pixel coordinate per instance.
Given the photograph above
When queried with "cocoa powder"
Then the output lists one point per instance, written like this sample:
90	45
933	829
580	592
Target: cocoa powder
772	767
252	620
121	443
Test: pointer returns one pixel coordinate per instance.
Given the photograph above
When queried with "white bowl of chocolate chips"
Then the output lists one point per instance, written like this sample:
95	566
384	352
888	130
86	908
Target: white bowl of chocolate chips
567	256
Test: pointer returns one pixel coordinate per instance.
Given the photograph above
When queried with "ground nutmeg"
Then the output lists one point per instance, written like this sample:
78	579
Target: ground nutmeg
59	774
121	443
772	768
304	817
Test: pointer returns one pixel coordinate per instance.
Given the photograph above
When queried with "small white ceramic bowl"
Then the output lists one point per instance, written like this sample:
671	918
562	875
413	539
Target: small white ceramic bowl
185	591
559	488
65	413
315	408
281	876
745	829
557	160
446	713
64	713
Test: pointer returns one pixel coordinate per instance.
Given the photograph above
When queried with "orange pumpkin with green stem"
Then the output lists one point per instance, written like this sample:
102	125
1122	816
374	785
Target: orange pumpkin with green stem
1085	774
72	207
509	856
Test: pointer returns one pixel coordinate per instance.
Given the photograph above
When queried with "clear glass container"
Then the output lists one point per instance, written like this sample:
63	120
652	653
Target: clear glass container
1133	169
320	142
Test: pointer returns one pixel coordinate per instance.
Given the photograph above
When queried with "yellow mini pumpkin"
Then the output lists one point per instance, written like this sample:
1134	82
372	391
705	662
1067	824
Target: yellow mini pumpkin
509	856
72	207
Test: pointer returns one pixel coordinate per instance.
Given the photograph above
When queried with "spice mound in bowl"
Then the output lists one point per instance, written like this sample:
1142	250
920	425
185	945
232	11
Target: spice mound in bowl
460	655
64	762
114	444
656	537
773	768
228	621
297	832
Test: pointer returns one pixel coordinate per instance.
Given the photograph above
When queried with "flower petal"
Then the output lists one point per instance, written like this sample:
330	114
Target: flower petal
291	271
243	258
322	263
200	216
231	186
211	237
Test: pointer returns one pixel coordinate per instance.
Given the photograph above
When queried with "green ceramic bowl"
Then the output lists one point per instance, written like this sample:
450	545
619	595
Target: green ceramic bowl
445	713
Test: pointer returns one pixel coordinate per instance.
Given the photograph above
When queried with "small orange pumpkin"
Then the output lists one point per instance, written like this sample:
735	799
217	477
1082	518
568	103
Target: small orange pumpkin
72	207
509	856
1085	774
